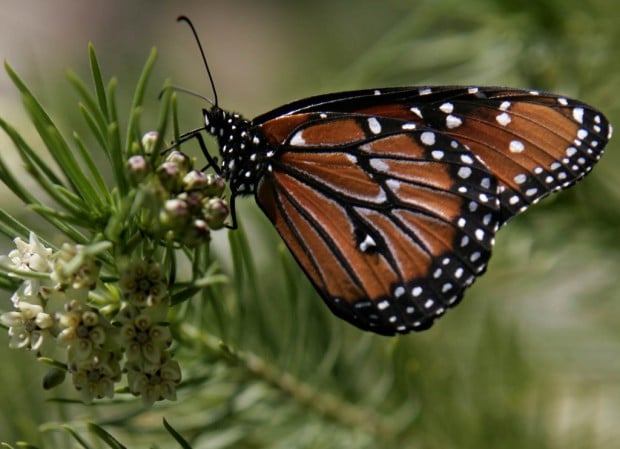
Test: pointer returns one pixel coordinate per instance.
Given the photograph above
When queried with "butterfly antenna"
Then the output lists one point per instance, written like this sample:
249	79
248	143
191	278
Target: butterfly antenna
185	91
202	53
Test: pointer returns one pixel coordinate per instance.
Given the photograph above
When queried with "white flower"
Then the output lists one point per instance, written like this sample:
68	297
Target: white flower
77	276
32	257
156	383
96	377
28	326
83	331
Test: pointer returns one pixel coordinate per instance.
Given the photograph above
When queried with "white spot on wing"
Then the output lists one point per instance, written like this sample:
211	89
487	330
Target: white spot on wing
446	108
503	119
298	140
453	121
516	146
379	165
464	172
428	138
374	125
520	178
504	106
467	159
367	243
578	115
393	185
531	192
416	111
571	151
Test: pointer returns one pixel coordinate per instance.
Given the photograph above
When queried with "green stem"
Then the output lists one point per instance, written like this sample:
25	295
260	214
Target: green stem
307	395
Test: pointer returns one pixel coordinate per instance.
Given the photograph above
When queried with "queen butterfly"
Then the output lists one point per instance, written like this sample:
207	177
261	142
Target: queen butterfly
389	199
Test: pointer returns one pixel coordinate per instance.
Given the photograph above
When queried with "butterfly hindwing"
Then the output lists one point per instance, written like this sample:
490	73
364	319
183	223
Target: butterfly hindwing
391	222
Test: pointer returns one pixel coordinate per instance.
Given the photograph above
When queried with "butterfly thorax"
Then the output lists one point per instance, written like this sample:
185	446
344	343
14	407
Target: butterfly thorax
243	149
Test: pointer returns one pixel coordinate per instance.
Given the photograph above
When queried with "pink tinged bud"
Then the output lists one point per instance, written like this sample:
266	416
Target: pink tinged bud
179	159
175	214
170	176
195	180
176	207
138	168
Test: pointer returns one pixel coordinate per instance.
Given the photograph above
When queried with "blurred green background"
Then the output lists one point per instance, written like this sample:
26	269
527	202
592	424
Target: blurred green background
531	357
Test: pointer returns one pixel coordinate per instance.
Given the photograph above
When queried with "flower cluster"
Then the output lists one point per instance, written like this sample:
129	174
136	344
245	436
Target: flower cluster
151	371
179	202
54	317
99	327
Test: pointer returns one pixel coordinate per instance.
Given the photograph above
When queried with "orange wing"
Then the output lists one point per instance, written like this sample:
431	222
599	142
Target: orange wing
390	222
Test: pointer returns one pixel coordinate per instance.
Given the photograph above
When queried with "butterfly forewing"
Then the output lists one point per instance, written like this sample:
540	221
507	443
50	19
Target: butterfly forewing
390	222
533	142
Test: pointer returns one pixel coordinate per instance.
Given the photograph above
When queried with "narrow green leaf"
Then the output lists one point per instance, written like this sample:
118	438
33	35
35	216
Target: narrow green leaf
37	172
98	81
60	223
95	174
100	136
175	117
139	97
176	435
49	133
111	96
11	227
69	219
7	175
56	144
162	124
105	436
28	155
117	157
89	101
76	436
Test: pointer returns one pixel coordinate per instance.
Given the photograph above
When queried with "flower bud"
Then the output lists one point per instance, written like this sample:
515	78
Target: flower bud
149	140
215	185
215	212
174	214
195	180
138	168
197	233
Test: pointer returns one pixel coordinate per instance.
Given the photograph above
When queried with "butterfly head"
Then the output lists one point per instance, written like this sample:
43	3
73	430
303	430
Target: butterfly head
243	149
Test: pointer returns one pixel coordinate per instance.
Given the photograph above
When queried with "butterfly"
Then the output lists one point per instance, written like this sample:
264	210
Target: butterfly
389	199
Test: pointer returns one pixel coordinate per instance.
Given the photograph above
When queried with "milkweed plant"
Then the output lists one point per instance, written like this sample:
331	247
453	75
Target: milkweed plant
92	298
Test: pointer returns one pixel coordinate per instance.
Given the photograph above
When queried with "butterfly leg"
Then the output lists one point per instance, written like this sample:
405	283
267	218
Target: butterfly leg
233	213
195	134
